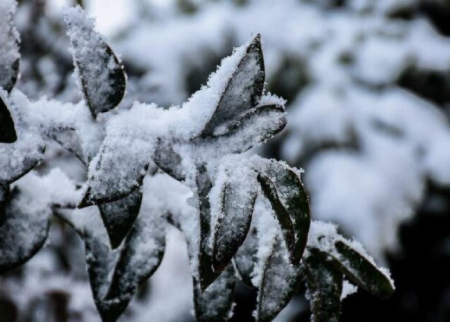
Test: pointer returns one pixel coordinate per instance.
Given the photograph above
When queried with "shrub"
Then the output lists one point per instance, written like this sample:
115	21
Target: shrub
188	166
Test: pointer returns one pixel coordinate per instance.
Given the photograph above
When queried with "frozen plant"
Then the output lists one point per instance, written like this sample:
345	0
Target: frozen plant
242	216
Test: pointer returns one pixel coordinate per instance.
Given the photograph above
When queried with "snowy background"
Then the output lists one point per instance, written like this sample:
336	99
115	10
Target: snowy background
368	91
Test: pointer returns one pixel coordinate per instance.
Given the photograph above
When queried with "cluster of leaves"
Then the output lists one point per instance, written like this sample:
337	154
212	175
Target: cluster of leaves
235	196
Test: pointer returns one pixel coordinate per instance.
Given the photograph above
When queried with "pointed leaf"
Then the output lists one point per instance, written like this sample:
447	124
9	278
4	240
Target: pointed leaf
243	90
215	303
7	129
140	256
282	186
9	49
205	259
101	75
115	275
22	233
234	213
324	283
119	216
117	171
362	271
251	129
279	283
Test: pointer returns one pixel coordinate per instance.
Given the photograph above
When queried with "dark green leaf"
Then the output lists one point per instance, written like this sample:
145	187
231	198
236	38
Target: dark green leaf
324	283
7	129
101	75
215	303
253	127
361	271
115	275
119	171
243	90
279	282
22	234
236	209
205	261
282	186
119	216
140	256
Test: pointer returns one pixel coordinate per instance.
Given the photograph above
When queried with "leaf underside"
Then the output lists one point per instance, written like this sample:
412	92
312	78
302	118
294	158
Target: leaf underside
22	234
119	216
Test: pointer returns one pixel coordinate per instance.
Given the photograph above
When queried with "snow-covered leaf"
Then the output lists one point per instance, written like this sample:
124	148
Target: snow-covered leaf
232	200
284	189
116	171
115	275
206	273
9	48
140	256
278	284
361	270
242	90
101	75
119	216
324	283
7	130
18	158
216	302
350	259
251	129
23	232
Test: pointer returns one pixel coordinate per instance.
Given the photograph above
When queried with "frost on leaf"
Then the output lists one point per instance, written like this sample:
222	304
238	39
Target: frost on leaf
115	275
328	258
242	90
7	129
324	284
9	49
119	216
283	188
216	302
118	170
278	283
101	75
361	270
23	232
253	127
206	274
18	158
232	198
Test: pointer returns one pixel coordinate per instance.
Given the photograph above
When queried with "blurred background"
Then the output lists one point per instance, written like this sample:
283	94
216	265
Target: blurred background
368	90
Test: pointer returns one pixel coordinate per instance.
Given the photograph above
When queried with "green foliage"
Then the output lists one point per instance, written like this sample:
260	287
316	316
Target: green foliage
124	245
